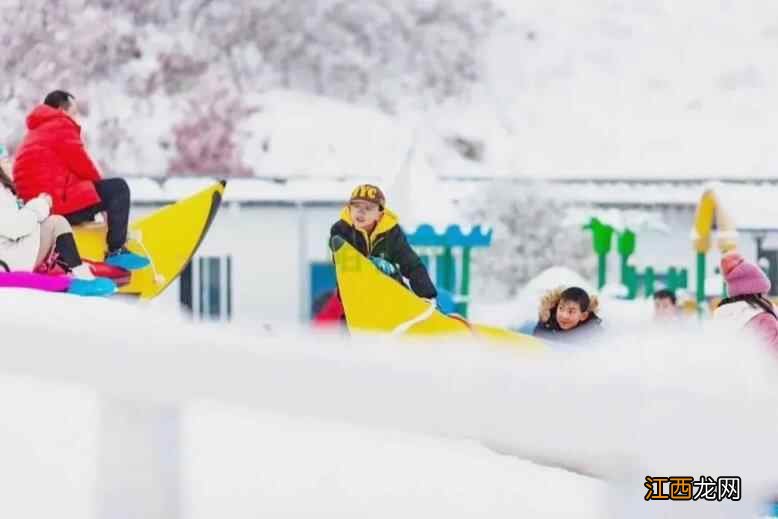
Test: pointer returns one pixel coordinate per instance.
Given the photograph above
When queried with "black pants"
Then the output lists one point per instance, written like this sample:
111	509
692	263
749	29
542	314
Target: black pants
115	201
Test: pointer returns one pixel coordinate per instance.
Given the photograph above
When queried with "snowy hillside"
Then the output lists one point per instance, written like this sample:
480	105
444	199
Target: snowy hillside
633	88
547	89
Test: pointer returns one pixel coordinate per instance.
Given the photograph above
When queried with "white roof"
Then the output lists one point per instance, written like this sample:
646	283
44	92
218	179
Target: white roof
752	207
739	197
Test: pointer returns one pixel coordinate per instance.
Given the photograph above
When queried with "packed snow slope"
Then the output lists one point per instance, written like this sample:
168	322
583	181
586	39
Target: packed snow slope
675	402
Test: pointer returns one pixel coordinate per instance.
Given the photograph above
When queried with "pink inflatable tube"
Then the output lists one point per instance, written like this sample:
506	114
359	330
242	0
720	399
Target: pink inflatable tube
34	281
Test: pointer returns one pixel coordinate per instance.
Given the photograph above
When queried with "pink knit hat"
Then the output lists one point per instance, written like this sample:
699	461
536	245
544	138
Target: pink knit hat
743	277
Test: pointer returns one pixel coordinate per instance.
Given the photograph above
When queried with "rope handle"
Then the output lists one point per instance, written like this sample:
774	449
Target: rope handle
405	326
137	236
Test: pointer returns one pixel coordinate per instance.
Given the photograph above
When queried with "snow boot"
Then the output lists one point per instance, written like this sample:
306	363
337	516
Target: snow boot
94	287
126	260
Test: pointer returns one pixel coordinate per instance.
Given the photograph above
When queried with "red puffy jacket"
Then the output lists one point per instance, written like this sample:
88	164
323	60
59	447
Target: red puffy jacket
52	159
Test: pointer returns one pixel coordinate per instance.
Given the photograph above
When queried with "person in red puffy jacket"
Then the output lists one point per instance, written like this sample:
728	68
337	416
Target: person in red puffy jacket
52	160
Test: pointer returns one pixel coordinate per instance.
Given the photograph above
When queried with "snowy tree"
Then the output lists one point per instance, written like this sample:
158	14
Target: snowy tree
171	55
47	45
531	234
375	51
65	43
206	141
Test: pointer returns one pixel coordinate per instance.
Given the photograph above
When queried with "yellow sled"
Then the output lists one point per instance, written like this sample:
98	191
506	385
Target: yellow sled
169	237
374	302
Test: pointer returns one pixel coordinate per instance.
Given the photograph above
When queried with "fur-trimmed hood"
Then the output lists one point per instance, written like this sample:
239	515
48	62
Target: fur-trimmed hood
548	328
550	300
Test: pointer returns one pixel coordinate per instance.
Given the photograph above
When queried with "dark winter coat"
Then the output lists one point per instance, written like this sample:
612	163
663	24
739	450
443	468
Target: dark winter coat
52	159
548	327
388	241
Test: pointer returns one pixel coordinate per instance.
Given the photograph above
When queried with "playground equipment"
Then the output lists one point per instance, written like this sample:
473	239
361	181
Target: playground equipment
375	303
709	216
719	207
446	255
441	253
602	240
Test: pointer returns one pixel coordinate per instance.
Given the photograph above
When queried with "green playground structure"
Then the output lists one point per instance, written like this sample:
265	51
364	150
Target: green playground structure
636	282
448	256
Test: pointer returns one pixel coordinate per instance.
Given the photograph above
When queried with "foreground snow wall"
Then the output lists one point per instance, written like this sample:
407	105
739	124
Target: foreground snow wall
686	403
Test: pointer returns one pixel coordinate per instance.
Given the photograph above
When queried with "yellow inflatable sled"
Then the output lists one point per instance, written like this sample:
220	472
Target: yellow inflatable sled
374	302
169	237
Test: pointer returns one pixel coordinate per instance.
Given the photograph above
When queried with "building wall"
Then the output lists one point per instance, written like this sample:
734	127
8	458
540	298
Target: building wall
271	249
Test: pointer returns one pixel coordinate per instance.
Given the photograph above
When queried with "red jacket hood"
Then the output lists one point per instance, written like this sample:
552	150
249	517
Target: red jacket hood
45	113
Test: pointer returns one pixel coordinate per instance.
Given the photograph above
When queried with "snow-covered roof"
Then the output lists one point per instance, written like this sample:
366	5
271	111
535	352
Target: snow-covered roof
753	208
438	202
619	219
317	189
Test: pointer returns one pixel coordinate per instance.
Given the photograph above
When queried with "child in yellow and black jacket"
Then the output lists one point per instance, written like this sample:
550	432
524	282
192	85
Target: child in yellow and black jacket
375	232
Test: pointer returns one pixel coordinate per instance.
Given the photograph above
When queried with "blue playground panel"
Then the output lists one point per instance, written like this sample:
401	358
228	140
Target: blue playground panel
425	236
322	280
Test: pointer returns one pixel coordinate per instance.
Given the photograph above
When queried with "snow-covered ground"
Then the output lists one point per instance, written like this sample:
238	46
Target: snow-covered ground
281	466
291	425
245	463
238	460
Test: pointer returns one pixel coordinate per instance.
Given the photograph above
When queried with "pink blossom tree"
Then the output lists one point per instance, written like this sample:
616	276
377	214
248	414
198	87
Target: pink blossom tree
206	141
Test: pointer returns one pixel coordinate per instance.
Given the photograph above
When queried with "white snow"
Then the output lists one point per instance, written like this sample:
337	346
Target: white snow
297	135
48	444
635	89
524	307
295	467
291	425
645	89
238	458
751	207
634	220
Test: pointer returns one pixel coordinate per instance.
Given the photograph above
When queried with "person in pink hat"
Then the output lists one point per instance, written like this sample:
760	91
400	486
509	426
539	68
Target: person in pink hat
747	305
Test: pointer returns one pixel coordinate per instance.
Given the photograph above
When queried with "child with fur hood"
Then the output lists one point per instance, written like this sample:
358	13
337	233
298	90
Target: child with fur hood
568	314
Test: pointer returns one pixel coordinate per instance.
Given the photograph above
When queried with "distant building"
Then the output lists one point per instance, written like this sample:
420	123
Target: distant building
273	230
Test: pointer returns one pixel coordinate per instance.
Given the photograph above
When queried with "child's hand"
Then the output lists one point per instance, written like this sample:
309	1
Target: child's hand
383	265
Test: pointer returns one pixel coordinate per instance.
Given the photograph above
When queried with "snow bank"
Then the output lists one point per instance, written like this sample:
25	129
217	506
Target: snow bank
646	402
524	307
282	466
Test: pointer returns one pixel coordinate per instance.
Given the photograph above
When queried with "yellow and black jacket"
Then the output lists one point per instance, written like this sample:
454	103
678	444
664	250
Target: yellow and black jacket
387	241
